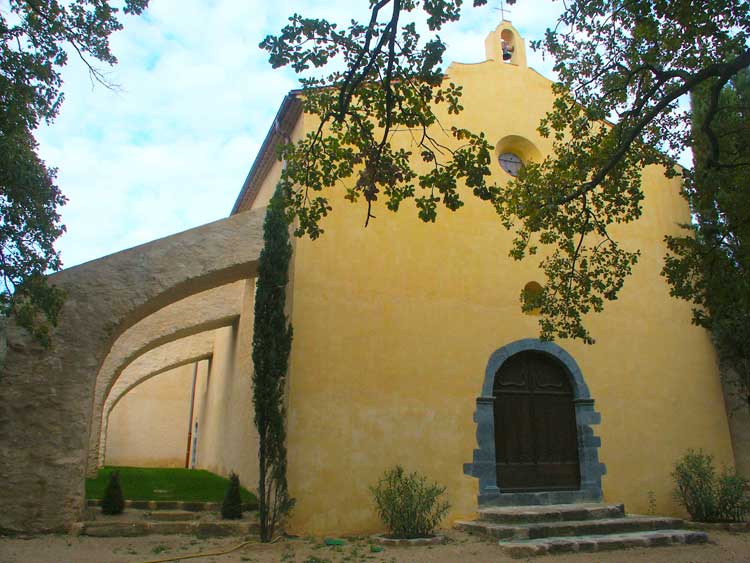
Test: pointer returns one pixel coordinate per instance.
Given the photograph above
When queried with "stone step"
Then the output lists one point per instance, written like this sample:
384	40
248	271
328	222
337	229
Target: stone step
489	529
550	513
189	505
528	548
172	515
133	528
569	528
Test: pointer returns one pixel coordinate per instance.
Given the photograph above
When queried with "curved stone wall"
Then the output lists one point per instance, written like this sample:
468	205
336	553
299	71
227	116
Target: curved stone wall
47	395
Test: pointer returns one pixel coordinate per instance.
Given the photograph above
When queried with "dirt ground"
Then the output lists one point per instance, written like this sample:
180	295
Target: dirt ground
461	548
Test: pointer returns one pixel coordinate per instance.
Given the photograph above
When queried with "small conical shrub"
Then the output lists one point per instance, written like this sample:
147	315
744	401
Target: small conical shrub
231	508
113	501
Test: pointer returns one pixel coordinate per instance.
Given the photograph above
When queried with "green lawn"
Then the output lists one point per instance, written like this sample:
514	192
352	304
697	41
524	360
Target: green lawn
142	483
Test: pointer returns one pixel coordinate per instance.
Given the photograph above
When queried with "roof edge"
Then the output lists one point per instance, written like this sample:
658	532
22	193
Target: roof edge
286	118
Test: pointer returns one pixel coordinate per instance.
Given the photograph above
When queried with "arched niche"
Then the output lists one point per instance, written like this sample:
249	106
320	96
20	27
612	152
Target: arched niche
483	466
519	146
532	290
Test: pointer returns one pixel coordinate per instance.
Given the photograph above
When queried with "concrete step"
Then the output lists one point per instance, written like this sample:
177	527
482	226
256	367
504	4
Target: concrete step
569	528
545	546
550	513
126	528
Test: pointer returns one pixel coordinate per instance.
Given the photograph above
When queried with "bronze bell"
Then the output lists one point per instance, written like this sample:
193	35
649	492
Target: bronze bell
507	49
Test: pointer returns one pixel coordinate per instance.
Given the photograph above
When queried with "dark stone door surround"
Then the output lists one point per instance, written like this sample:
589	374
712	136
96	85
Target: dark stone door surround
483	467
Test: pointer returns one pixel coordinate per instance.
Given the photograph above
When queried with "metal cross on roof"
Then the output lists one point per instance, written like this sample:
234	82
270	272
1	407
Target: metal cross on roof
502	9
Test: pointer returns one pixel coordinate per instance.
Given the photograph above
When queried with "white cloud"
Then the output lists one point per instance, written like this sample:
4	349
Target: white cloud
169	150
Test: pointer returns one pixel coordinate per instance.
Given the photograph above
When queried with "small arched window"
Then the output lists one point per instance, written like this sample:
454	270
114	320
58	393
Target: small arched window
531	296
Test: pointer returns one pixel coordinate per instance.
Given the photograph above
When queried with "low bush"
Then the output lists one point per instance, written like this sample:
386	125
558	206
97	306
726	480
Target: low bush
231	508
732	500
706	496
408	505
113	501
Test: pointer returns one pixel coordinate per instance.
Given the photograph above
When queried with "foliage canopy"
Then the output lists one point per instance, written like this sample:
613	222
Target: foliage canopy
36	37
710	265
626	61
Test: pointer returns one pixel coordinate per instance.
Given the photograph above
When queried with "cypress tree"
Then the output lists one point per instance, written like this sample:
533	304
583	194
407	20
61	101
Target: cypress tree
113	501
231	508
272	340
710	266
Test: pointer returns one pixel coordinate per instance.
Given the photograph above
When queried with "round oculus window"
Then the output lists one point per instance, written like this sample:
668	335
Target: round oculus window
511	163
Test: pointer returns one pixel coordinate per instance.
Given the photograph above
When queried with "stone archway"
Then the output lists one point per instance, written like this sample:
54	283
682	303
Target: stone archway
483	466
47	395
207	310
154	362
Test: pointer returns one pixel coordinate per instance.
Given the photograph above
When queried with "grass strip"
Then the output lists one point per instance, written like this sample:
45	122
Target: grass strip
148	483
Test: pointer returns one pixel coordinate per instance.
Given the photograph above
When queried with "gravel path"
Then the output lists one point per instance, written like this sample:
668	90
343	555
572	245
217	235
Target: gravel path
725	547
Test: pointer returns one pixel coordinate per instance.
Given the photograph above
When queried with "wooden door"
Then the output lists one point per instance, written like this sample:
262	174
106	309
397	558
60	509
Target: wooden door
535	425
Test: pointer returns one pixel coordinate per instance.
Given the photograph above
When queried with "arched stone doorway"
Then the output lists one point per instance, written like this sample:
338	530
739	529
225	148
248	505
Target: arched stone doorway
519	377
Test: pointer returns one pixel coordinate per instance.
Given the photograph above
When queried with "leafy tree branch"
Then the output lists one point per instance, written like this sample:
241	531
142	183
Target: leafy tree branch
34	38
624	68
383	80
709	265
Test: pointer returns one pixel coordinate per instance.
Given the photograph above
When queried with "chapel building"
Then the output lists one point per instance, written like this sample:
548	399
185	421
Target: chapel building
410	347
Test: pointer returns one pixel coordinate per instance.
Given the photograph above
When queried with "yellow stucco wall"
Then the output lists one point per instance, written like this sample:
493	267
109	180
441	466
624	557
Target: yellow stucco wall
227	440
148	426
394	324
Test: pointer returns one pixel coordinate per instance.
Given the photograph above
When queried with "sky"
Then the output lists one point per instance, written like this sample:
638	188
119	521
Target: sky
170	147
